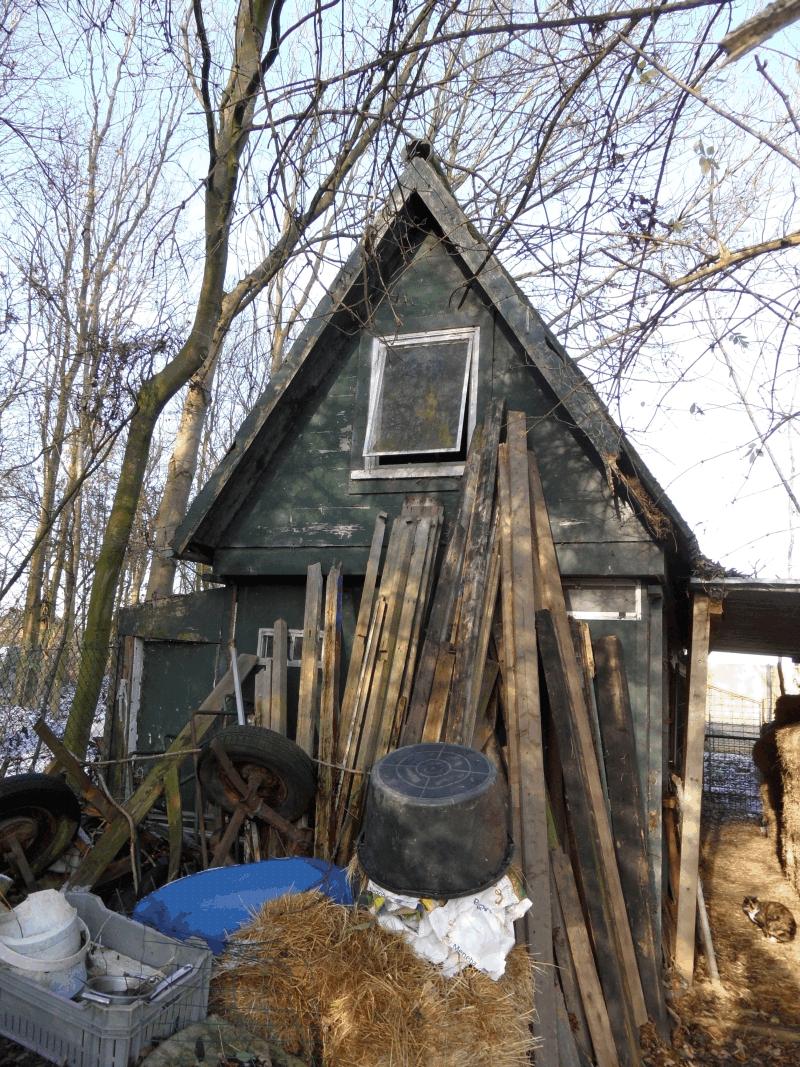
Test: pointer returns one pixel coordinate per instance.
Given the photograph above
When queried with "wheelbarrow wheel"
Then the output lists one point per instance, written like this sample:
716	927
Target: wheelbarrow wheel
285	774
42	813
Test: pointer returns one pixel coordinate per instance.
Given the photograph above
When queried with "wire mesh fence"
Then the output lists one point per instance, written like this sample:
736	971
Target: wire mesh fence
38	683
730	778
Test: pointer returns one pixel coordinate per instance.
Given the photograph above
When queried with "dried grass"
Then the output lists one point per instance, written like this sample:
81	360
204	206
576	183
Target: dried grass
327	979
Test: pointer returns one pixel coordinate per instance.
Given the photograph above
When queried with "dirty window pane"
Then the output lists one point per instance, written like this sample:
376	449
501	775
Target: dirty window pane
422	398
603	600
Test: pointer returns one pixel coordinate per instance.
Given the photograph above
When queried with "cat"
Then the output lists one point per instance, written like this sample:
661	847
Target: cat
774	920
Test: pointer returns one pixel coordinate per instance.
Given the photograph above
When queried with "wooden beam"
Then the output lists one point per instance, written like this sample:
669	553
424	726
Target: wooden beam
525	720
692	789
440	623
591	864
628	814
553	599
308	700
262	696
594	1006
358	651
172	796
280	656
328	712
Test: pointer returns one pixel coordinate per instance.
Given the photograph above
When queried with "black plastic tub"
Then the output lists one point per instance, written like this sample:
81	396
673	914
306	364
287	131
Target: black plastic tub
436	822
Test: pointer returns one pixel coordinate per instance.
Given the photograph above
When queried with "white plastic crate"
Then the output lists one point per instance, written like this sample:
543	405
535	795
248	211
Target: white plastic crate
76	1033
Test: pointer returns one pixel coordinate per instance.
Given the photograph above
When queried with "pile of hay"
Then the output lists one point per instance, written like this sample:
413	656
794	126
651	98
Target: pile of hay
328	982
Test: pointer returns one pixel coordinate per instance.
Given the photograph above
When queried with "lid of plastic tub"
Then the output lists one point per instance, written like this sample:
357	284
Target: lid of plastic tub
435	773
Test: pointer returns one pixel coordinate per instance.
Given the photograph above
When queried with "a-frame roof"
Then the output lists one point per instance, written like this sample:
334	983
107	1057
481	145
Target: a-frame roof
263	428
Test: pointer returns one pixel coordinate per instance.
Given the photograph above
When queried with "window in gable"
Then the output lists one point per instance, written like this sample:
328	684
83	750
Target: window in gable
422	404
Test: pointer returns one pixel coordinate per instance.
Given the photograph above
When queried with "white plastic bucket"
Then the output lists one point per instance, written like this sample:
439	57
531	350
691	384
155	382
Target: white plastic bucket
45	940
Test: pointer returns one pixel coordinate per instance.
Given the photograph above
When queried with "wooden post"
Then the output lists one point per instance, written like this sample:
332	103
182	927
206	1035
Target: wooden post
525	721
172	796
280	656
328	712
628	814
307	710
262	686
553	599
692	789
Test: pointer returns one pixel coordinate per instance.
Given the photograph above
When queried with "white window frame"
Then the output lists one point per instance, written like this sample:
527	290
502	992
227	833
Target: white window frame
469	405
609	583
292	659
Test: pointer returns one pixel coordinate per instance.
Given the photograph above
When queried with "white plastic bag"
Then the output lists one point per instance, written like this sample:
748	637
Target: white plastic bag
474	931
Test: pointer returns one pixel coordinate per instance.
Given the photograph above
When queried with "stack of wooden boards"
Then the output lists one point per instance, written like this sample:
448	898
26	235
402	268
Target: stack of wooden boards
497	622
477	648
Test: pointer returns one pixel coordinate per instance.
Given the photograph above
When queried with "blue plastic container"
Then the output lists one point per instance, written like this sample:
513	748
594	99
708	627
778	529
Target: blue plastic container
213	904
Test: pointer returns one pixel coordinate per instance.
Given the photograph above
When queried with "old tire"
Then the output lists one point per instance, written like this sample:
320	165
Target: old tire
288	779
42	813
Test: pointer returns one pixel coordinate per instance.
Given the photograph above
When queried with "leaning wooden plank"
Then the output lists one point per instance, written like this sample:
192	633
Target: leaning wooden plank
405	643
137	806
594	1006
553	599
525	723
590	865
692	789
308	699
447	591
262	696
350	767
365	610
478	557
628	817
393	584
503	639
567	975
280	657
76	775
328	711
582	640
436	513
172	796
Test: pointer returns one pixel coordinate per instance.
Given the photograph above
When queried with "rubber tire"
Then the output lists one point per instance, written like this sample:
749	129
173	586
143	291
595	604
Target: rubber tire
47	800
270	750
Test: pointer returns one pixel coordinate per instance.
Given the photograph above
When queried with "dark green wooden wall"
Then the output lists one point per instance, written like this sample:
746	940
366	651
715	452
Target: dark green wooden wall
306	506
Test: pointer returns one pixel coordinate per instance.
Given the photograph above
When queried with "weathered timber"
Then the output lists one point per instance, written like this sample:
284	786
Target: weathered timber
395	573
592	866
262	696
76	775
328	713
628	817
447	591
358	651
351	765
525	724
308	699
476	573
401	662
434	727
692	789
172	796
280	656
503	639
137	806
582	640
567	975
553	599
594	1006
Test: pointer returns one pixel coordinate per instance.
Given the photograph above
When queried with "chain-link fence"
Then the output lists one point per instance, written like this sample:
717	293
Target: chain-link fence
40	683
730	778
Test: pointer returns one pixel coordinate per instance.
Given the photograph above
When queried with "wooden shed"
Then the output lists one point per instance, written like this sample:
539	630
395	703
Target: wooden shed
378	398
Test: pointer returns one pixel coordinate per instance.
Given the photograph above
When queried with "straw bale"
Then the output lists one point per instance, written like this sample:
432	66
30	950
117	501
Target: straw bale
788	742
329	982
